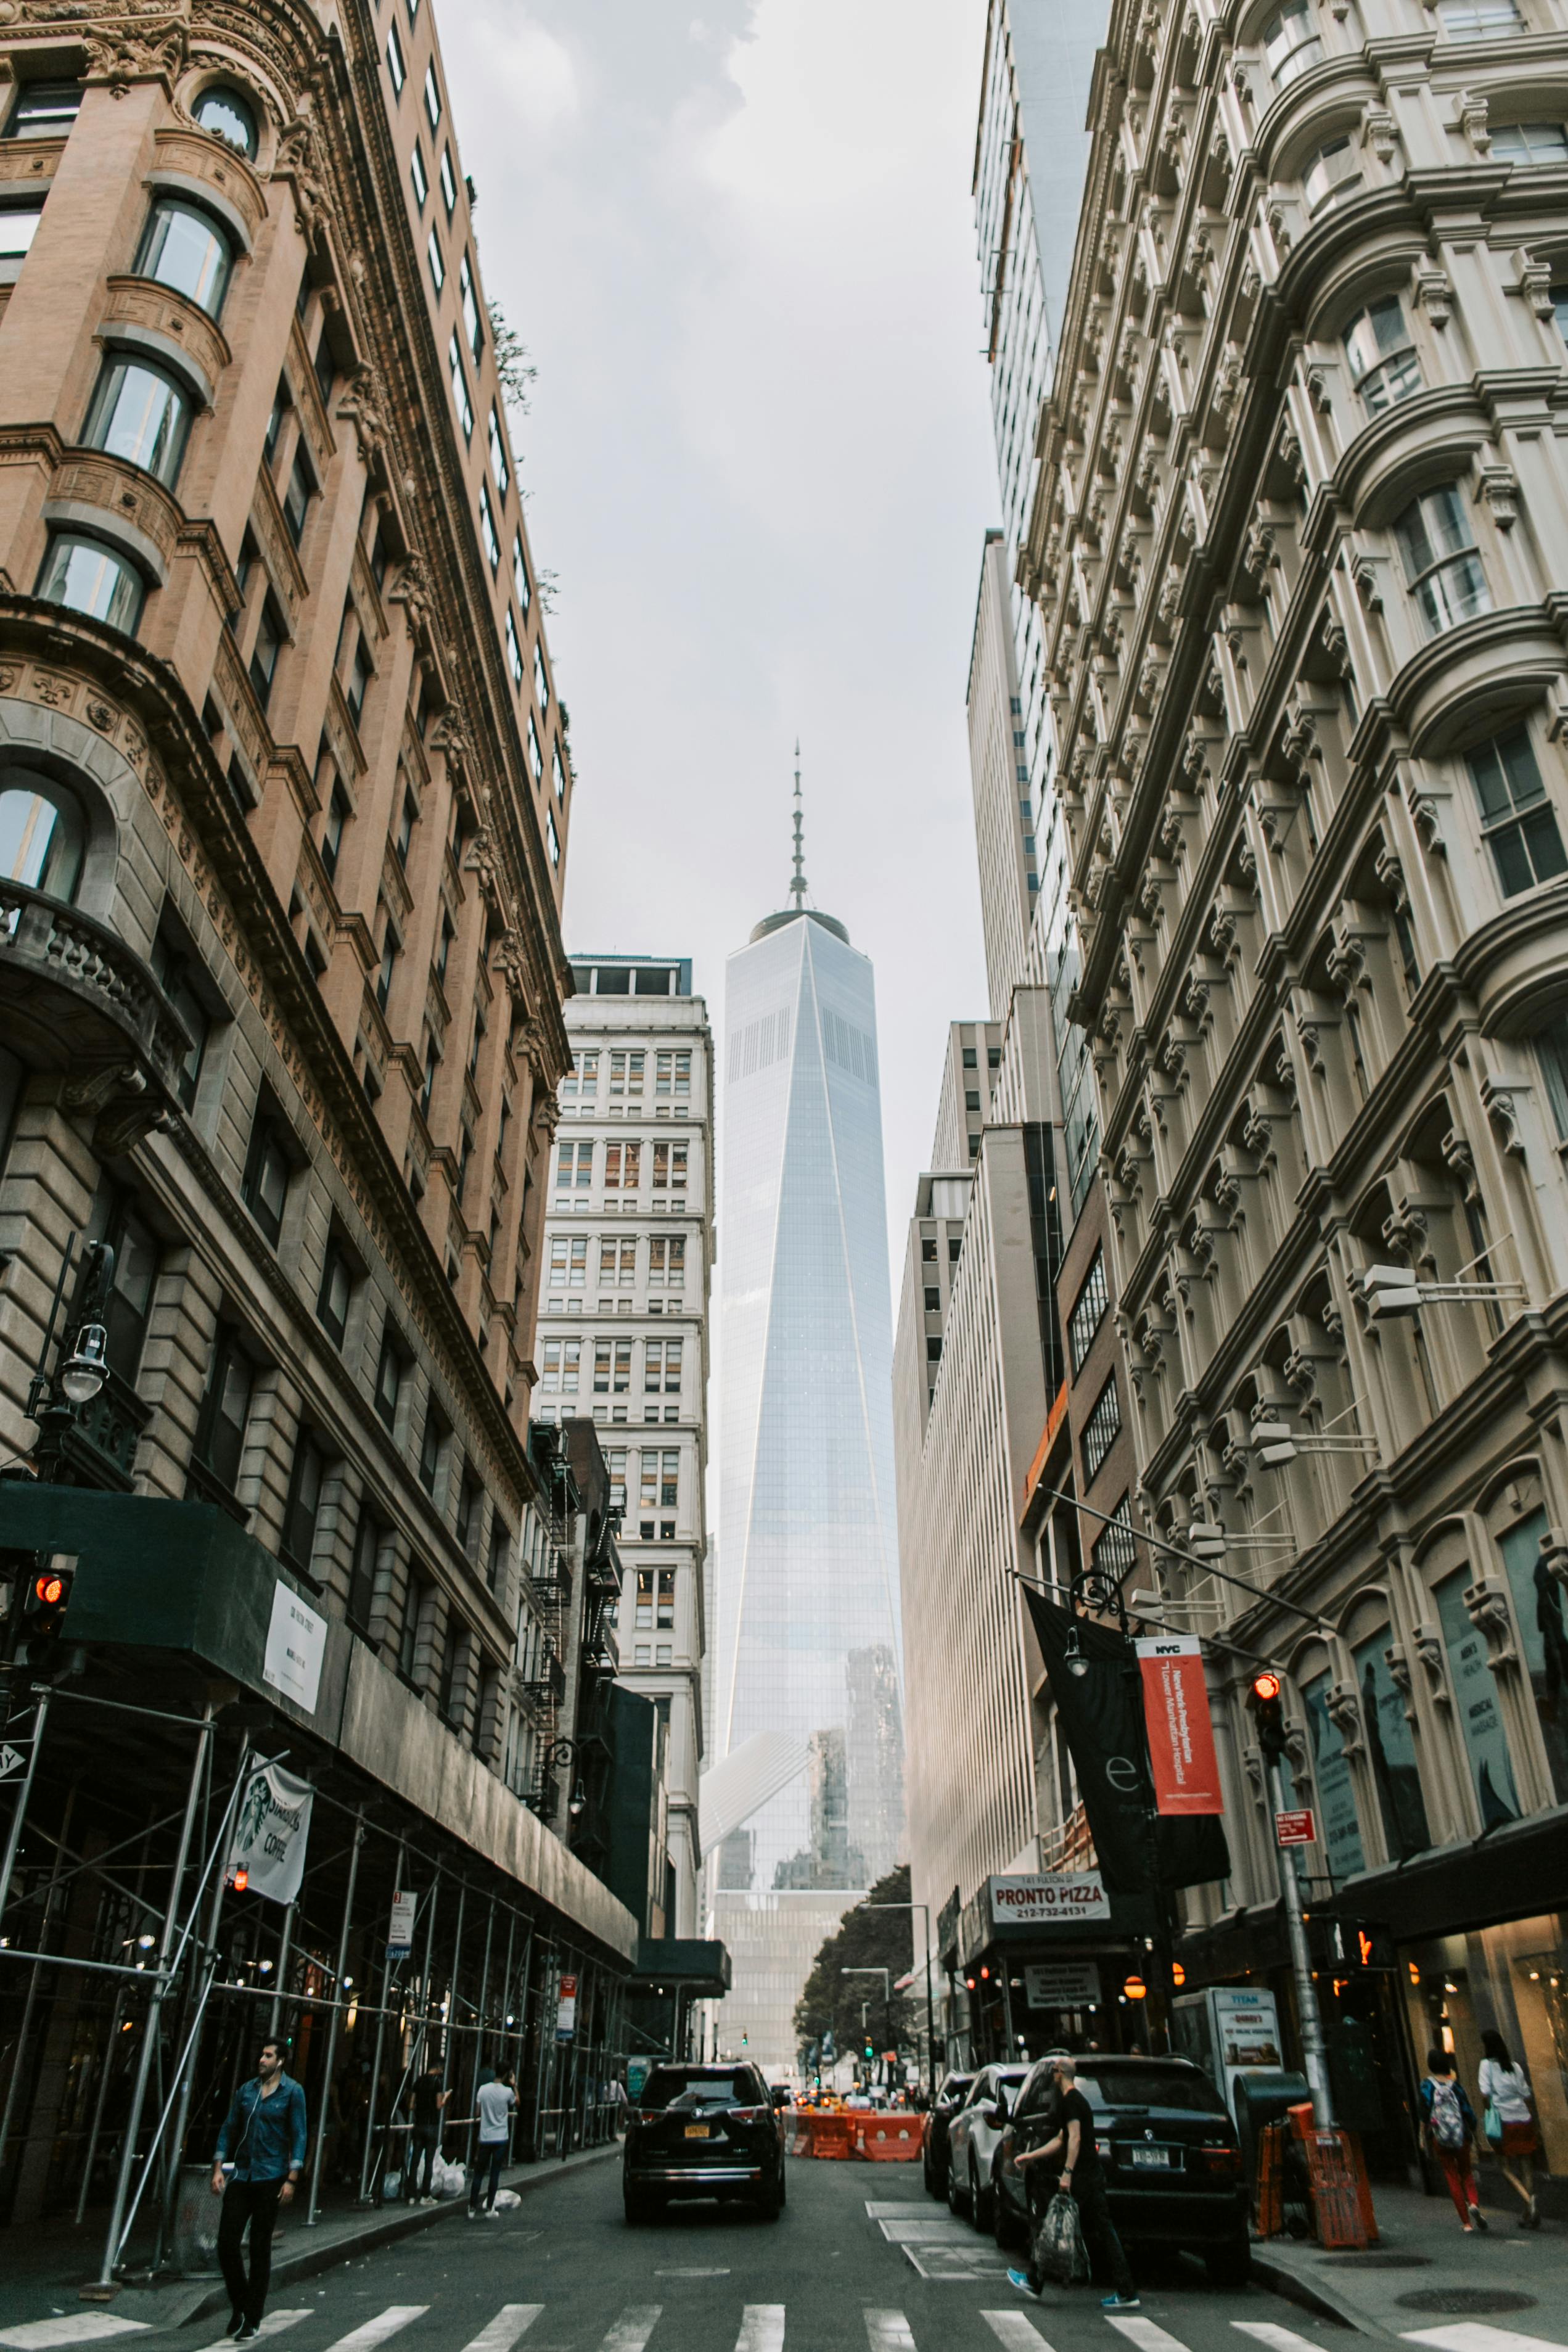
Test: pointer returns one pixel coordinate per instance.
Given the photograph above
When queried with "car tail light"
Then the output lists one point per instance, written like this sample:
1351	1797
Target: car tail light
750	2115
1103	2150
1220	2158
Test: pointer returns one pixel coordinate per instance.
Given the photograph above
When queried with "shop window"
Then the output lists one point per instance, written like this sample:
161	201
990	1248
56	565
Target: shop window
1391	1749
86	576
183	247
1476	1711
43	837
1340	1825
142	414
1543	1637
222	110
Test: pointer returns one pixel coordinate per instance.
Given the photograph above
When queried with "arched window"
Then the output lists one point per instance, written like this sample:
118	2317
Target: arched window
86	576
222	110
184	248
42	833
141	414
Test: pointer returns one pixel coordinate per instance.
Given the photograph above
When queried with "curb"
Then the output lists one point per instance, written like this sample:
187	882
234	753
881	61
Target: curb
312	2260
1280	2280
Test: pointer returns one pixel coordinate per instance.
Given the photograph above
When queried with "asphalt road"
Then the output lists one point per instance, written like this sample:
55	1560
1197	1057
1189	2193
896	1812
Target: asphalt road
562	2273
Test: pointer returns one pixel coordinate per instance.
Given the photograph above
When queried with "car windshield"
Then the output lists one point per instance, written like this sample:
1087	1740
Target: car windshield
1171	2087
691	2086
955	2087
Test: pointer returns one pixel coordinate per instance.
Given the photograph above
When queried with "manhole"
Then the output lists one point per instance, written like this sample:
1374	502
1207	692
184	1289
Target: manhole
1369	2262
1466	2298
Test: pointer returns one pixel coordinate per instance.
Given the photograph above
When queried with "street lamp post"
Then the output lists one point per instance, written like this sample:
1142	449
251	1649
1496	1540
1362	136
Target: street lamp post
925	1911
559	1753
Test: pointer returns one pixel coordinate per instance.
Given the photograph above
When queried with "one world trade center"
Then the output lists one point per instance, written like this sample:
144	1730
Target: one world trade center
803	1808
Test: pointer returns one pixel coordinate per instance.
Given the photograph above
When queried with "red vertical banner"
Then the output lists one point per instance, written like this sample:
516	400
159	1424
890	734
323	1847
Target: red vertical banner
1181	1736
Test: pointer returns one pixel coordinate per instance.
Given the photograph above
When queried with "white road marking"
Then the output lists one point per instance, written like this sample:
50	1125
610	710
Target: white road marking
1277	2338
724	2274
888	2331
633	2327
927	2229
376	2331
1472	2336
72	2327
1145	2334
761	2328
273	2325
1016	2330
879	2209
500	2335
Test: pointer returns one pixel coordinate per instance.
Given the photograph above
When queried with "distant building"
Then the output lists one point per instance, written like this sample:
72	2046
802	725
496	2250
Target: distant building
809	1672
623	1340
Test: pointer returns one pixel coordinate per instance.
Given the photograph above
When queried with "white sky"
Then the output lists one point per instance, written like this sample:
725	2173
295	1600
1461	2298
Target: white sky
739	246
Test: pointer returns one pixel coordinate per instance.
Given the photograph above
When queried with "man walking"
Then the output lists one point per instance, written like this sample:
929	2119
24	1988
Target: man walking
496	2101
262	2144
424	2145
1073	2158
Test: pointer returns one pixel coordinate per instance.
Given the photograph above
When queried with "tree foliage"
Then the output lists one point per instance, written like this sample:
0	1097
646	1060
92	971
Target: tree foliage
515	369
865	1939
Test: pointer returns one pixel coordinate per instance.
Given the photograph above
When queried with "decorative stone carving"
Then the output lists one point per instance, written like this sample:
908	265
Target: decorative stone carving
1455	1151
1555	1552
1487	1606
1470	115
1405	1230
1363	572
126	54
1498	485
1343	1701
1427	1643
1435	294
1429	823
363	403
1382	132
1534	277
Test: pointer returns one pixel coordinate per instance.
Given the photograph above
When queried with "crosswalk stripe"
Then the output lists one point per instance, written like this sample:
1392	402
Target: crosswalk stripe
761	2328
273	2325
70	2327
500	2335
376	2331
1277	2338
1472	2336
888	2331
1147	2334
633	2327
1015	2329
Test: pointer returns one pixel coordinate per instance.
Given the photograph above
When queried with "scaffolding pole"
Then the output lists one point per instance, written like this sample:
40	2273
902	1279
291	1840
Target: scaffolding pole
324	2103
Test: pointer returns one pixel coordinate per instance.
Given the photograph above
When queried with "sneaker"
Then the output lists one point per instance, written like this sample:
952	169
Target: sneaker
248	2333
1479	2218
1021	2279
1119	2303
236	2321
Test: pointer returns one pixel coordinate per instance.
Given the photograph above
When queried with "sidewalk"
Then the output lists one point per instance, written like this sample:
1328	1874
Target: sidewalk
1422	2252
42	2277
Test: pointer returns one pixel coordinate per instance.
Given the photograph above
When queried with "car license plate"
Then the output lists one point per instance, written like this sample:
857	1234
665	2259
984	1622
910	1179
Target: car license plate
1156	2159
697	2131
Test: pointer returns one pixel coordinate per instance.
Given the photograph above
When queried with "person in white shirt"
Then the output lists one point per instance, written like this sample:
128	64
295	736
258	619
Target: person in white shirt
495	2102
1505	2088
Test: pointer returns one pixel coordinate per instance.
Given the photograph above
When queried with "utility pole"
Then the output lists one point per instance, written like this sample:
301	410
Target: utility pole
1269	1712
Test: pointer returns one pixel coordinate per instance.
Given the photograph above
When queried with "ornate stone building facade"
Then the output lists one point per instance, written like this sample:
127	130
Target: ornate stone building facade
285	795
1300	539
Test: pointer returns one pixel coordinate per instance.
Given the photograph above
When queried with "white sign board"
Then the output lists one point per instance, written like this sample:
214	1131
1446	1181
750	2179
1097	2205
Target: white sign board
400	1929
271	1834
1062	1984
1054	1898
566	2010
296	1646
1247	2026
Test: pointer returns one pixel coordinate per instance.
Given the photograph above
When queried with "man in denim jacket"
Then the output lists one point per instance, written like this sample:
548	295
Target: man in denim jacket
263	2139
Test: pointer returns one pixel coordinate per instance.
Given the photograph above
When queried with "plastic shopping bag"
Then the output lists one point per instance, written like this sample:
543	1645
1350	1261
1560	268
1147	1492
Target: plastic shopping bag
447	2179
1060	2253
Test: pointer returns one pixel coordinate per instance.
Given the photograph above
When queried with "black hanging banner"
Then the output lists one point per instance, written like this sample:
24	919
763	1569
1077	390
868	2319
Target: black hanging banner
1101	1713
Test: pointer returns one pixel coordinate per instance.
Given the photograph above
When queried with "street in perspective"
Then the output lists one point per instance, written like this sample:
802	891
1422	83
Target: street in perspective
784	1563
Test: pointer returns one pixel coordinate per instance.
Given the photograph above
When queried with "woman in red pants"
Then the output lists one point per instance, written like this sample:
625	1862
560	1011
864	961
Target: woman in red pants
1450	2121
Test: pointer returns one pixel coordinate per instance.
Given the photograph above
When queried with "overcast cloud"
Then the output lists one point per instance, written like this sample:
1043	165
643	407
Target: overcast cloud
739	245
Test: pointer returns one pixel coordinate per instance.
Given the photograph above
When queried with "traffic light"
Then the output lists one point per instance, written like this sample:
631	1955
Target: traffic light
869	2049
45	1593
1268	1711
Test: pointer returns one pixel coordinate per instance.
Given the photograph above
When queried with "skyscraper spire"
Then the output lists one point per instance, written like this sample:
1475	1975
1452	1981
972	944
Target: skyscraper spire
798	885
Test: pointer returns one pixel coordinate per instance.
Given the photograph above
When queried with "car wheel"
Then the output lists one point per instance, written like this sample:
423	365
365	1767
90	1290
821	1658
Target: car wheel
932	2185
1230	2265
979	2202
770	2199
955	2194
637	2208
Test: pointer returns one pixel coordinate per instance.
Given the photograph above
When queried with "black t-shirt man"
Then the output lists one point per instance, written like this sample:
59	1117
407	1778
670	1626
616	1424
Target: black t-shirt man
1076	2109
427	2103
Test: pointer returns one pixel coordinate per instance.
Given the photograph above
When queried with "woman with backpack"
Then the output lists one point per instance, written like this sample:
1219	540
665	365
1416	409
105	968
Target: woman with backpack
1510	2122
1450	2121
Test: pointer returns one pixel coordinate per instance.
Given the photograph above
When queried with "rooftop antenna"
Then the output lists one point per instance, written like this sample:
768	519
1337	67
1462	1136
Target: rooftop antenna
798	885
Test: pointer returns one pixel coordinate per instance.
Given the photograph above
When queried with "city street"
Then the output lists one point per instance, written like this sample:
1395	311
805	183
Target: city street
860	2257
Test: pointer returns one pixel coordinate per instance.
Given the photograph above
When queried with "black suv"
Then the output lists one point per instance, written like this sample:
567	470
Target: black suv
1171	2163
704	2131
950	2097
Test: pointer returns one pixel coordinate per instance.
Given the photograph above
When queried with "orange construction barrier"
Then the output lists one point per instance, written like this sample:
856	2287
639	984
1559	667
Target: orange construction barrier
1343	2217
890	2138
832	2138
1272	2181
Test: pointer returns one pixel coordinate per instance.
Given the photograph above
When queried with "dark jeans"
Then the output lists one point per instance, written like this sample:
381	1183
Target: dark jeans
1105	2247
253	2205
487	2162
422	2149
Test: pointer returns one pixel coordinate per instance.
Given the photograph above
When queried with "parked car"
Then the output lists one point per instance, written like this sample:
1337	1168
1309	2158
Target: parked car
1173	2163
973	2136
704	2131
951	2094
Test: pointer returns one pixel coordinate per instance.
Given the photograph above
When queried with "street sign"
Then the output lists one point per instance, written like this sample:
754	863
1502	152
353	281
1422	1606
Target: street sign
400	1929
1062	1984
10	1760
566	2010
1296	1828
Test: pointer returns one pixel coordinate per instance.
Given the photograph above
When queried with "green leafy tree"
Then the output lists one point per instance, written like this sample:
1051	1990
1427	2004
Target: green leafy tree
865	1939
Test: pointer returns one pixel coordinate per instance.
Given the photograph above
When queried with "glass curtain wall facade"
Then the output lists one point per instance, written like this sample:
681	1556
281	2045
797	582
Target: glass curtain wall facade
808	1627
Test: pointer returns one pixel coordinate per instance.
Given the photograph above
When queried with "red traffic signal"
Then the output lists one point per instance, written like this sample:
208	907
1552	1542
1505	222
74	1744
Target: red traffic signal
45	1596
1267	1685
1268	1707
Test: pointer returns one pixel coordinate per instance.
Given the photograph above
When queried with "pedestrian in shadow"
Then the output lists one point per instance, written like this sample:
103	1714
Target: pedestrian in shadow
261	2155
1450	2126
1509	2119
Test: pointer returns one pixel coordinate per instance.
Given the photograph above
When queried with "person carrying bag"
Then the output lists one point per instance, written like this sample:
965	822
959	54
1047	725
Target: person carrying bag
1507	2120
1450	2126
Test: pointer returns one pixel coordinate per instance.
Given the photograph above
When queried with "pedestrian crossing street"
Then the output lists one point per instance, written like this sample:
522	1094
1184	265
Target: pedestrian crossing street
764	2328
